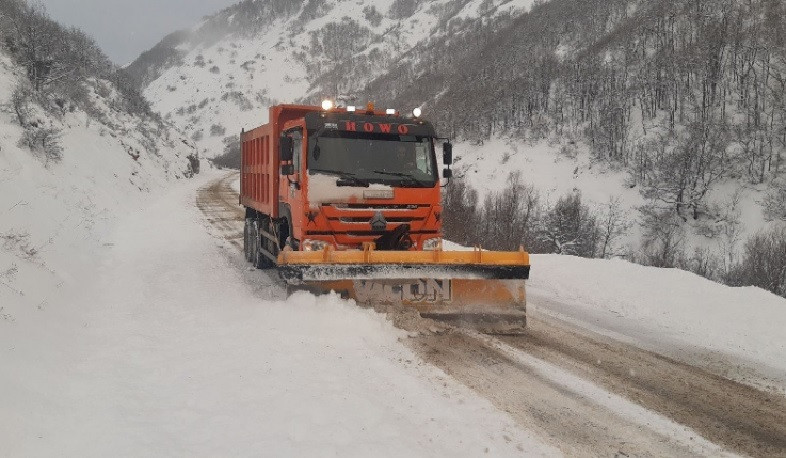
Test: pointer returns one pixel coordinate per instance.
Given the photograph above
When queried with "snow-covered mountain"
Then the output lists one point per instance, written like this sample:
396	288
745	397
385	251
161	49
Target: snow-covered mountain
73	157
570	94
222	74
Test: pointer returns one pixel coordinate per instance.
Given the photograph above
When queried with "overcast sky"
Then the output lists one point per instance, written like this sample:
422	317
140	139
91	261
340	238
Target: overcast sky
126	28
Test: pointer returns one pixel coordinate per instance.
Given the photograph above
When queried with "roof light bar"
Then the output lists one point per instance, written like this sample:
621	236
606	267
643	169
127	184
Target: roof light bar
351	108
390	111
417	112
327	104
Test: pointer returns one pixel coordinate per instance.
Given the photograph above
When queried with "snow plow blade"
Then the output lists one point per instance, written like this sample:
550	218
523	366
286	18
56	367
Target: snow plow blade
483	290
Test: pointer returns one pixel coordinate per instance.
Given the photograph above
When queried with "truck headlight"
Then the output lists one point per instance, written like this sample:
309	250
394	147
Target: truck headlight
313	245
432	244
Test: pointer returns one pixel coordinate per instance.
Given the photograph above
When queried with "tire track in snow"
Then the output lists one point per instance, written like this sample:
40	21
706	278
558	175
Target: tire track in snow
219	202
576	415
726	412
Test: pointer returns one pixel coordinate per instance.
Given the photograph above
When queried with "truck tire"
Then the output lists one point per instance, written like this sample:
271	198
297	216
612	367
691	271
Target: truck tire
247	239
263	262
256	245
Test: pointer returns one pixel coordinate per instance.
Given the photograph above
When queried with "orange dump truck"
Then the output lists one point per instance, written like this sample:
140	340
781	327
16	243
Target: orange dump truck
349	200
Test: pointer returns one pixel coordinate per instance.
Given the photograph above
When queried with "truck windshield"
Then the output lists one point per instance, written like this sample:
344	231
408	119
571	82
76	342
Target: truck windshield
396	160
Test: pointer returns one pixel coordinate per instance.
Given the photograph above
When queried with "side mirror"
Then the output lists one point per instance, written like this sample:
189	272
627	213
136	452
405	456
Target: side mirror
447	153
447	173
285	149
288	169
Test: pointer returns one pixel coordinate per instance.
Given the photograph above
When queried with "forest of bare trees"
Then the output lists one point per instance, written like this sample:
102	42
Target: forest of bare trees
683	94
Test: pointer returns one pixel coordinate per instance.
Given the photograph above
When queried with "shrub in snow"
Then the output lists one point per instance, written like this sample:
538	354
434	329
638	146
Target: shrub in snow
775	204
231	157
20	102
506	220
194	165
763	262
215	70
45	141
570	228
239	98
373	16
461	217
664	238
217	130
705	263
402	9
509	217
103	90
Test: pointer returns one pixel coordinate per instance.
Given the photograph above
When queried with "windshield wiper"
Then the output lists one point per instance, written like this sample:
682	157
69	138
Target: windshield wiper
345	178
408	176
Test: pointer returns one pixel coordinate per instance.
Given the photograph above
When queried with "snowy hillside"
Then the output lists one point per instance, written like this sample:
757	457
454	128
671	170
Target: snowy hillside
554	171
222	75
58	199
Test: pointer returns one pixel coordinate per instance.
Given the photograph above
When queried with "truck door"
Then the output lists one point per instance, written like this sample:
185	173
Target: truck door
294	197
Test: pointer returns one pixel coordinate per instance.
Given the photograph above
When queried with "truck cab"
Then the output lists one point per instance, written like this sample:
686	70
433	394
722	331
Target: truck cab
342	177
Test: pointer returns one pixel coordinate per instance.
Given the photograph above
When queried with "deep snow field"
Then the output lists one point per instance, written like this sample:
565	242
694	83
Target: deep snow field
168	344
52	214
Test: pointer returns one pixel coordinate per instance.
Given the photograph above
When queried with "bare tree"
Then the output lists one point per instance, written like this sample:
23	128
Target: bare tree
613	224
44	141
764	262
570	228
664	238
20	102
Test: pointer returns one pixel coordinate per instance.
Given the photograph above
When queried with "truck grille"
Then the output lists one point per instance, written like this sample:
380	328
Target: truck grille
356	218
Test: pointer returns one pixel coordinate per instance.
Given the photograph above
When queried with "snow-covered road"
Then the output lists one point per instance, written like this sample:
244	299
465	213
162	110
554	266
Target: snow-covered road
173	348
168	344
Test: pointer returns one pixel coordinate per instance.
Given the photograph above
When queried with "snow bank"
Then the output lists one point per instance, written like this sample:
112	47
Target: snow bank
52	216
170	345
735	330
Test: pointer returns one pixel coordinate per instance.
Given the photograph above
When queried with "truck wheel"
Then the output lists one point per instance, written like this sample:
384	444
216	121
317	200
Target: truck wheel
247	240
256	255
259	259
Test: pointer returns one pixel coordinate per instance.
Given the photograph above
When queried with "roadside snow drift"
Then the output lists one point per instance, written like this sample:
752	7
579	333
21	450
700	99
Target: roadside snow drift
738	332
